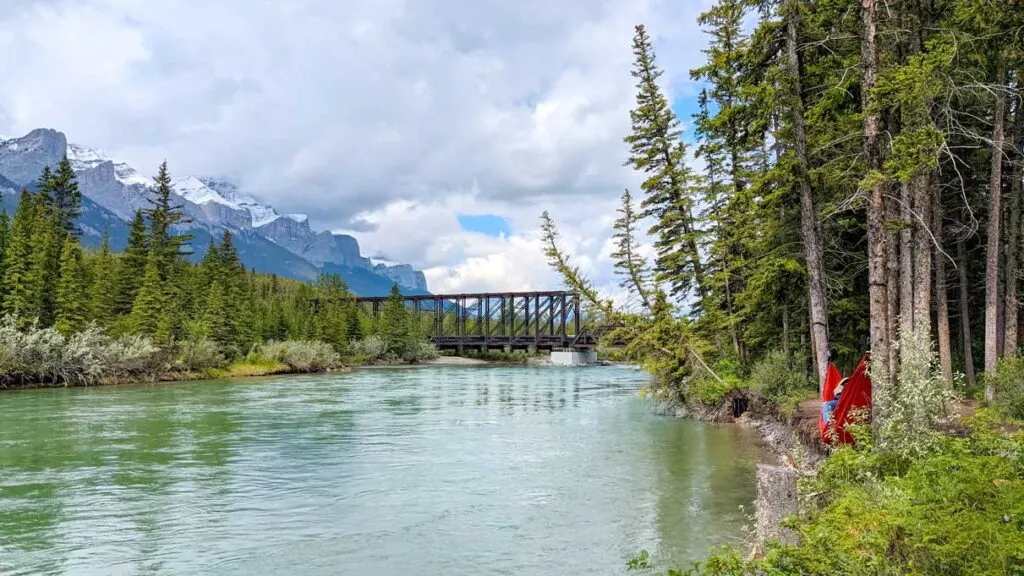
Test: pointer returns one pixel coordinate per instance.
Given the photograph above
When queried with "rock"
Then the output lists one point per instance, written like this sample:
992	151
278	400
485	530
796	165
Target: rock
776	500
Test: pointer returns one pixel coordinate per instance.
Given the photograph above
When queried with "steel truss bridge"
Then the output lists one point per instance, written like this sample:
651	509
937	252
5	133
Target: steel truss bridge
513	320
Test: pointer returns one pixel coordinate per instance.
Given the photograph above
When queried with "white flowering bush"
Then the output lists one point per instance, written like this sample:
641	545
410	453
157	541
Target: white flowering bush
421	352
910	409
201	354
369	349
302	355
45	356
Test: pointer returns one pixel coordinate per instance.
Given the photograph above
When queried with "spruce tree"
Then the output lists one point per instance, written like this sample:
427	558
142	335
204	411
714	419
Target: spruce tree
657	151
216	319
103	289
5	232
44	265
628	262
133	265
353	327
151	300
394	323
71	306
19	298
66	199
164	214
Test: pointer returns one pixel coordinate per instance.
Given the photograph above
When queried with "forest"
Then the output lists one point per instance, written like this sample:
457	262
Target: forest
853	184
78	316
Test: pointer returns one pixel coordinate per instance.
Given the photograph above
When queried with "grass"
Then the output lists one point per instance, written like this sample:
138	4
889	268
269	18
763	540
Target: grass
248	369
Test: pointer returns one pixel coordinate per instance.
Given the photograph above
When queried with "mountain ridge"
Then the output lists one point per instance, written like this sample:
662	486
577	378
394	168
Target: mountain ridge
270	242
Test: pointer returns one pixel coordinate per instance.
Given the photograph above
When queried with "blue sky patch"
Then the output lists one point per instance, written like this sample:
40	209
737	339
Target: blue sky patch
488	224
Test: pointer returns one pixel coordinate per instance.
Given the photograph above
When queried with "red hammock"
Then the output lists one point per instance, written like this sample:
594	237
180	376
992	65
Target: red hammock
856	394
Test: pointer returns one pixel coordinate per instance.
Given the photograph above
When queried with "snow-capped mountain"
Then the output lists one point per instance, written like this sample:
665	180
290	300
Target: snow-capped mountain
268	241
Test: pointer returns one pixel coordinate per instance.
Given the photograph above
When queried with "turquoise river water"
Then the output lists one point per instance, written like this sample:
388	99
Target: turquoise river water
429	471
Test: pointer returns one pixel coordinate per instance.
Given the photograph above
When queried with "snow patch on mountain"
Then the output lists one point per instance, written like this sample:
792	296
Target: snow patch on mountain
300	218
83	158
378	261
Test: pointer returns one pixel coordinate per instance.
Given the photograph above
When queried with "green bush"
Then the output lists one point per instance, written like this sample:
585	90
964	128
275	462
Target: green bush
198	355
957	509
302	355
1008	386
774	377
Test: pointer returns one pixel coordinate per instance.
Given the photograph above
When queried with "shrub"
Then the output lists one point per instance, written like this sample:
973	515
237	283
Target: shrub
958	509
302	355
774	378
1008	385
43	355
421	352
198	355
369	349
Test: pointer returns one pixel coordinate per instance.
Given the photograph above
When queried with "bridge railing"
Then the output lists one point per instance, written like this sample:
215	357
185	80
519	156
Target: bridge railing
516	319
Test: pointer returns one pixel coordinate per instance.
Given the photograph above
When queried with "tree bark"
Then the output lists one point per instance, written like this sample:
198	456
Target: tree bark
785	331
924	198
992	255
965	313
906	262
808	220
941	293
1012	303
878	296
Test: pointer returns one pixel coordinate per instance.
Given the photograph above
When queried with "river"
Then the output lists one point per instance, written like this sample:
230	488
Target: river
429	471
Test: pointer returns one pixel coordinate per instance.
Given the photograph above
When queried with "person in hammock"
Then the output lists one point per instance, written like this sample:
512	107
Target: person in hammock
828	407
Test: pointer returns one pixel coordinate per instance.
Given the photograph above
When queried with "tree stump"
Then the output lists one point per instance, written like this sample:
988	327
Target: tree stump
776	499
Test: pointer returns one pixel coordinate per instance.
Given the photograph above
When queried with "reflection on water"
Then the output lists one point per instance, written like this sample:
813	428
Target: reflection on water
456	470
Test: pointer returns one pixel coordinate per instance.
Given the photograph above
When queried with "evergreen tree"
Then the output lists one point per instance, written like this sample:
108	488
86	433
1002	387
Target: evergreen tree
133	265
394	323
151	300
353	327
43	265
103	289
66	199
216	318
5	232
657	151
628	262
164	214
19	297
72	307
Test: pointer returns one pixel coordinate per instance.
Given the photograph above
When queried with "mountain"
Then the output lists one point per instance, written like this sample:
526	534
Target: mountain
270	242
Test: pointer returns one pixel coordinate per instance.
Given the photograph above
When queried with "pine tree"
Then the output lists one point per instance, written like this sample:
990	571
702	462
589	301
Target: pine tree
71	305
657	150
19	298
216	319
353	327
66	199
133	265
5	233
628	262
44	265
394	323
163	216
151	300
103	289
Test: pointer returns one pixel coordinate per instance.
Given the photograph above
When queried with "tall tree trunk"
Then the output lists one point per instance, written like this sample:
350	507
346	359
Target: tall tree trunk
941	293
924	197
785	331
1011	307
906	262
994	208
877	276
808	220
965	313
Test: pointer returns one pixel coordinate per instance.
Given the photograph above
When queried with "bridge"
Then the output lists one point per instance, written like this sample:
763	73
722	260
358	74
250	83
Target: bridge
509	320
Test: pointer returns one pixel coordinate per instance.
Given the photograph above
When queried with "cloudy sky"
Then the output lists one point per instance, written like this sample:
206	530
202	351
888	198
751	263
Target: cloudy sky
435	131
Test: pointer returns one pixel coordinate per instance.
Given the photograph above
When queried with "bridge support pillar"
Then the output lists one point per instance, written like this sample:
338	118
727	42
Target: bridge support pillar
573	357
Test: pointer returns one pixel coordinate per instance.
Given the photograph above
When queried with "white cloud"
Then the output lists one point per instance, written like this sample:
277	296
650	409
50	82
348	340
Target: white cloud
397	112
